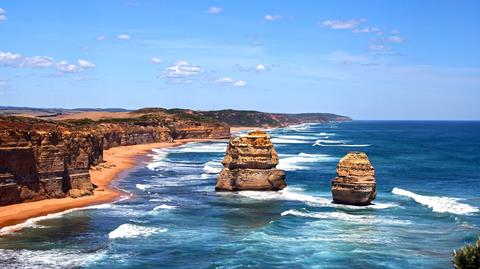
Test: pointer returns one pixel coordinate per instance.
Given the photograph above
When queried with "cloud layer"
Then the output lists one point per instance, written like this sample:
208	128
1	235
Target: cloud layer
181	69
3	16
16	60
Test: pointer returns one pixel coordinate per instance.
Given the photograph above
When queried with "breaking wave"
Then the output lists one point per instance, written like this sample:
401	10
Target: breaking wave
336	143
32	222
295	194
292	163
359	219
132	231
164	206
212	167
143	187
203	147
438	203
276	140
54	258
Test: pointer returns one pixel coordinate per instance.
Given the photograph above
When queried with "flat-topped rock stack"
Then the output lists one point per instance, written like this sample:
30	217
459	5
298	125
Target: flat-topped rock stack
249	164
355	181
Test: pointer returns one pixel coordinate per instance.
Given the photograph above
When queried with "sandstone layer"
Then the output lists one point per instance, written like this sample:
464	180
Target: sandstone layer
355	181
249	164
42	159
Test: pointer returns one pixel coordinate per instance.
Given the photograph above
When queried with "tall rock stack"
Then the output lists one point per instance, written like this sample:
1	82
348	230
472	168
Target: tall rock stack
249	164
355	181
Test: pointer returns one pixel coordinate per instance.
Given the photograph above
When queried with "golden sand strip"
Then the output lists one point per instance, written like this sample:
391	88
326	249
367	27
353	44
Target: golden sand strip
119	159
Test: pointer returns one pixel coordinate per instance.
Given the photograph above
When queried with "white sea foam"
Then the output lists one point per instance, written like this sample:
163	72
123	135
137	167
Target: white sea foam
212	167
300	127
54	258
285	194
143	187
157	159
164	206
438	203
336	143
32	222
296	137
296	194
359	219
292	163
128	230
328	134
287	141
203	147
325	141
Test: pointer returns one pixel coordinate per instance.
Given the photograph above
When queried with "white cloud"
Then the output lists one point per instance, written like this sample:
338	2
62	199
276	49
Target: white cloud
374	30
395	39
156	60
100	37
38	61
85	64
66	67
3	17
228	81
260	67
181	69
215	10
16	60
10	59
343	25
240	83
123	37
270	17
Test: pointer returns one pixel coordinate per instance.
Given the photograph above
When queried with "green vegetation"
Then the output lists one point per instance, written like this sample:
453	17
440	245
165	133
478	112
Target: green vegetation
467	257
79	122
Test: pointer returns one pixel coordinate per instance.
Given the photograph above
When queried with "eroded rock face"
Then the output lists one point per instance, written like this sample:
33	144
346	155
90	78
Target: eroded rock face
355	181
249	164
36	165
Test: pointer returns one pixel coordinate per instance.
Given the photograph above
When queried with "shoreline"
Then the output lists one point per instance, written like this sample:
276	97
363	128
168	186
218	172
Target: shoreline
117	160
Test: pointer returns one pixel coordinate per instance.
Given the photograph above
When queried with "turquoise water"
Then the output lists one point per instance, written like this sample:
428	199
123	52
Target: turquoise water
428	204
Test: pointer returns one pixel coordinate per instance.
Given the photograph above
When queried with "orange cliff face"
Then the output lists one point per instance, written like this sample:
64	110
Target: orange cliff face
249	164
36	165
44	159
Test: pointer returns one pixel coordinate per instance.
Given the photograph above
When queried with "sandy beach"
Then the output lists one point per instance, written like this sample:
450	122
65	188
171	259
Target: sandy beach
117	160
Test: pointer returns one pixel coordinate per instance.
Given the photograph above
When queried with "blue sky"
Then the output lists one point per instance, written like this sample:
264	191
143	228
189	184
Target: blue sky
365	59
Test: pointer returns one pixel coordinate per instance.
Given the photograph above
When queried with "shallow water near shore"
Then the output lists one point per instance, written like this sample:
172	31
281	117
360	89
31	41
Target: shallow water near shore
428	204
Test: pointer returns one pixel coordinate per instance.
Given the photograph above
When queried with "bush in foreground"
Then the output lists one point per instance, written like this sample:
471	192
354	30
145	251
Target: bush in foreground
467	257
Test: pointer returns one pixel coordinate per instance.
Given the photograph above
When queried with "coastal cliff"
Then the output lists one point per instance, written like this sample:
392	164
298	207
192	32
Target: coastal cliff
355	181
47	159
249	164
48	162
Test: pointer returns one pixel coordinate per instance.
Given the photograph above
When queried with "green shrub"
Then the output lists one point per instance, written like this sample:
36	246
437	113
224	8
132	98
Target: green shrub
467	257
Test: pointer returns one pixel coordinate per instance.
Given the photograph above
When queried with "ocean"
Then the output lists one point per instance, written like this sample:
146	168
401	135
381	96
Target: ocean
428	203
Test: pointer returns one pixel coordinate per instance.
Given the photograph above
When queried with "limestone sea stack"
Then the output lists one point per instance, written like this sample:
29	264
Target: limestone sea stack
355	181
249	164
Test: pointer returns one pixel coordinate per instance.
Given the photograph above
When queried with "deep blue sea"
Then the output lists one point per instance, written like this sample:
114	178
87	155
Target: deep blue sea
428	182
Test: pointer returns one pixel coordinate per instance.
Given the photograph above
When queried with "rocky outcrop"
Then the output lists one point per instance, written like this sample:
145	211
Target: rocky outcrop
36	165
355	181
197	130
249	164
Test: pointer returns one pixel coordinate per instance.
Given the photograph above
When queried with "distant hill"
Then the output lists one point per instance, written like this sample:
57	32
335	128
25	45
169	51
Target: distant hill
256	118
230	116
